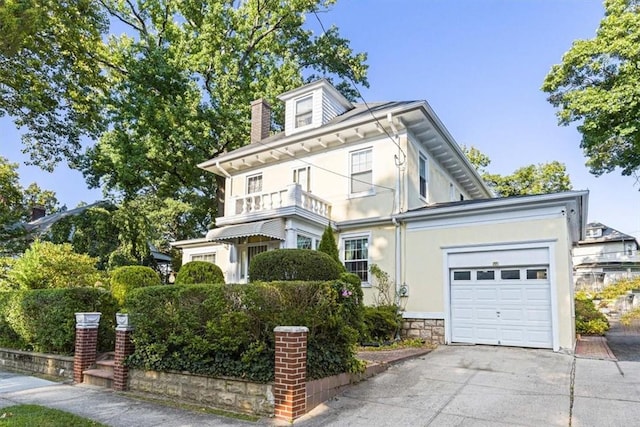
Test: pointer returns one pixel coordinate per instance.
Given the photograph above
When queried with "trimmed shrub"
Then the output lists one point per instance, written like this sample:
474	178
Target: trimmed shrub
381	323
589	320
43	320
293	265
228	329
124	279
195	272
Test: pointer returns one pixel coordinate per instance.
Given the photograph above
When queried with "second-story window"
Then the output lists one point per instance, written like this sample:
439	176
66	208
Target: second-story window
301	176
361	171
422	169
304	111
254	184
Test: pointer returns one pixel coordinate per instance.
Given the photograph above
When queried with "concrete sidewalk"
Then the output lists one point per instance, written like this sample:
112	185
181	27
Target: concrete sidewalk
105	406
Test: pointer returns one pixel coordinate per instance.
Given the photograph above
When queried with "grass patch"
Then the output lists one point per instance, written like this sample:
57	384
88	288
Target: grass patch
34	415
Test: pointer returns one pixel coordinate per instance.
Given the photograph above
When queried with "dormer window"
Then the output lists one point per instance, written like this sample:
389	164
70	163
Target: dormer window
594	232
304	111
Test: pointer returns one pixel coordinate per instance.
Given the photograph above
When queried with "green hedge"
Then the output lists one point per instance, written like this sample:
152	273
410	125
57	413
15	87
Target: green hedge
228	329
195	272
43	320
124	279
293	265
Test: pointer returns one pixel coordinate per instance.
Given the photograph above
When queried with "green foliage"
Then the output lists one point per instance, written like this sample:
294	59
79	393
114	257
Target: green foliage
542	178
47	265
381	323
292	265
6	263
596	85
127	278
619	288
228	329
195	272
329	246
589	320
166	92
43	320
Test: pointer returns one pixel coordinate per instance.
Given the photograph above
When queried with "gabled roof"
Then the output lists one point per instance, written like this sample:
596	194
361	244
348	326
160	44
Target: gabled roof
608	235
42	225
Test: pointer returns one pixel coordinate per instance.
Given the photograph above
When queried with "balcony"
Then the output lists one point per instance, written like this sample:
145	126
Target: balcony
282	202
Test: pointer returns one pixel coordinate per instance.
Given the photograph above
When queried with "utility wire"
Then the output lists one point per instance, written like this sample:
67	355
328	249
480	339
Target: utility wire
353	83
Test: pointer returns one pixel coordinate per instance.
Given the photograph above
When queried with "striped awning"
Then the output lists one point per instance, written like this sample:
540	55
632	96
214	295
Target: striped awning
273	228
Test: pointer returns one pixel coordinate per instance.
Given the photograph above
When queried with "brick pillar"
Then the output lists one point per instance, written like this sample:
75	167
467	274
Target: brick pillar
86	343
290	385
124	347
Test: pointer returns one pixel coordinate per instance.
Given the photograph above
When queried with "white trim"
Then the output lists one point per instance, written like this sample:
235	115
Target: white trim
356	235
248	177
535	244
477	218
437	315
422	156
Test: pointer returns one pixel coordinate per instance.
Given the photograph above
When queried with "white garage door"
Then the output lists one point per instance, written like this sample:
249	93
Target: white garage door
502	306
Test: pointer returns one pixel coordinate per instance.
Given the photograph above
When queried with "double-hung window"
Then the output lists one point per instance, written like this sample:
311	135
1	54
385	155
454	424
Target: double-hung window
356	256
422	172
254	184
304	111
361	171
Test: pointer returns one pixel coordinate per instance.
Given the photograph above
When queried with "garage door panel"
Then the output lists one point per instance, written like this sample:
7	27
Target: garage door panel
512	312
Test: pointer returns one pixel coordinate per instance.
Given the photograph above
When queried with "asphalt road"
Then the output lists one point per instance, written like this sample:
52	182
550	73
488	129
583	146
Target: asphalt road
624	341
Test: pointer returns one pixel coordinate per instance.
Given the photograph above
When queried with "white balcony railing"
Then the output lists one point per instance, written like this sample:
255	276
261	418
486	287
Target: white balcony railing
290	196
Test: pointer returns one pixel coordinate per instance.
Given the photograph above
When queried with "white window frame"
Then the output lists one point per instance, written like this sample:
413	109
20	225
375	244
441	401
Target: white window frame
356	236
297	115
423	158
201	256
249	178
296	177
371	190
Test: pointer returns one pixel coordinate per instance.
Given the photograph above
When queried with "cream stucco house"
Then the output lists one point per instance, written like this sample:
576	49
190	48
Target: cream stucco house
400	193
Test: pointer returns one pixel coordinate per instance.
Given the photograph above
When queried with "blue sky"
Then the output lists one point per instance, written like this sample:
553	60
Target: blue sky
479	63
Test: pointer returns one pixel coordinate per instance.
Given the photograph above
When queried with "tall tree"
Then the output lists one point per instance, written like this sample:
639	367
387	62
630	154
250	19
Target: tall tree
542	178
171	91
597	85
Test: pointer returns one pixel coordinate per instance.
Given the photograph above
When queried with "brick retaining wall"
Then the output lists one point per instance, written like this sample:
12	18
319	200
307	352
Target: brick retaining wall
41	363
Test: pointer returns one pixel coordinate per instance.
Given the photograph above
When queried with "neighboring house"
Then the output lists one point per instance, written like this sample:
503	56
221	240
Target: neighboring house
605	256
41	223
396	187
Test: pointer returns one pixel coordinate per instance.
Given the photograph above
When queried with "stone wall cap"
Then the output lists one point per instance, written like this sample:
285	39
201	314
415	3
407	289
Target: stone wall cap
291	329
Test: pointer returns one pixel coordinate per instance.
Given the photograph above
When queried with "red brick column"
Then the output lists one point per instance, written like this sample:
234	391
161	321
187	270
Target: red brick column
290	385
86	343
124	347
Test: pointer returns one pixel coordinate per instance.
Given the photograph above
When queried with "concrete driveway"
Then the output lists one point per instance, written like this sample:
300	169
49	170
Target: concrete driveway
489	386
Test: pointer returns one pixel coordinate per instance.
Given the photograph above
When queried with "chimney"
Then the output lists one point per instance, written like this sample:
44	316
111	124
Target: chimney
37	212
260	120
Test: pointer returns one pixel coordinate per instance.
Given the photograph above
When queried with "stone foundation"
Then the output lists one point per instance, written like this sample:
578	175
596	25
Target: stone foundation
430	330
40	363
228	394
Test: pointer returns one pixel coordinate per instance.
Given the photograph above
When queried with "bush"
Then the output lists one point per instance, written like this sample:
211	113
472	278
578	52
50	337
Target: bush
293	265
228	329
619	288
589	320
43	320
195	272
125	279
47	265
381	323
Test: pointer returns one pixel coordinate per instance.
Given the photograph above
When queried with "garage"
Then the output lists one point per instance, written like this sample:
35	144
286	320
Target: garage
501	298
